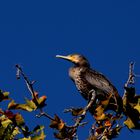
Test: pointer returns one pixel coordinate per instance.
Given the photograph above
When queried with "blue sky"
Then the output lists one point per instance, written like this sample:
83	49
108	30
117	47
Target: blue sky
33	32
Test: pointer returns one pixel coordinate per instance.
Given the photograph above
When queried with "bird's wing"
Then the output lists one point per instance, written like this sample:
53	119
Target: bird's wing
99	81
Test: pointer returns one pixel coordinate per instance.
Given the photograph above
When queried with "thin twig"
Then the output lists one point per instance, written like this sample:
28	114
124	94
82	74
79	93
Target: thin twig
46	115
131	77
31	90
79	119
27	81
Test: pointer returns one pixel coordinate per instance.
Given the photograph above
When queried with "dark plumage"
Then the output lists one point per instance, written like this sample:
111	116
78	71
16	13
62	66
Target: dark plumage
88	80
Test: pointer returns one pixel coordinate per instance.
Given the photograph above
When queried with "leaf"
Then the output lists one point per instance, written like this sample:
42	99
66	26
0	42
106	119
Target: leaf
16	131
8	131
6	122
29	138
27	107
108	123
38	128
105	103
99	115
132	111
57	123
41	101
37	134
2	129
41	136
137	107
12	105
30	104
4	95
129	123
19	119
25	130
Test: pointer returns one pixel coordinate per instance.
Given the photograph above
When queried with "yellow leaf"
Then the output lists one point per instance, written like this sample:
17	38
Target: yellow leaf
129	123
99	115
12	104
137	107
31	104
29	138
41	100
105	103
6	94
16	131
39	137
6	122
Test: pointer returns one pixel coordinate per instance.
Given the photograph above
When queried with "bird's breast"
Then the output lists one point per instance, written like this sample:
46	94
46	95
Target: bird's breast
73	72
76	74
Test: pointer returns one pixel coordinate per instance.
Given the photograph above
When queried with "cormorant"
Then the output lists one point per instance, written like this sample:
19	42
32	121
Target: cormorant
89	81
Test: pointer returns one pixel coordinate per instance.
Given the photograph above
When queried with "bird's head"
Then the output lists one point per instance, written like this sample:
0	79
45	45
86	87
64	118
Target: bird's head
77	59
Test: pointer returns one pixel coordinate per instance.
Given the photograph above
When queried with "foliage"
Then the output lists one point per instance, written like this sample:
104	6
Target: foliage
107	121
13	124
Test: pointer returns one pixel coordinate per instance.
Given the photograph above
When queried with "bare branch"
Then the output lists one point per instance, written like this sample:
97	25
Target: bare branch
78	121
44	114
131	77
31	90
27	81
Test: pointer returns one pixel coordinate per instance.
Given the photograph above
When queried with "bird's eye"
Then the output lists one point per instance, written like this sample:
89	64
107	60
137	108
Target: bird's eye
72	56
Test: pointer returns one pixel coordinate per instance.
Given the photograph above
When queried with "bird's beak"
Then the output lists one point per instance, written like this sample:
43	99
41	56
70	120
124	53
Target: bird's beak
65	57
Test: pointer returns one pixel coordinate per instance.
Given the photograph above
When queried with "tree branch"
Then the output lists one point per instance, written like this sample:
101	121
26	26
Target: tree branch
131	77
27	81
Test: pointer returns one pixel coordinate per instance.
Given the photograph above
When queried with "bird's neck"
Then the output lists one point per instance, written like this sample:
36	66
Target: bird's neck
83	64
79	67
76	71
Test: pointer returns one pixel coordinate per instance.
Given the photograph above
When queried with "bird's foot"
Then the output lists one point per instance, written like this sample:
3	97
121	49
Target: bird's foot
91	100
